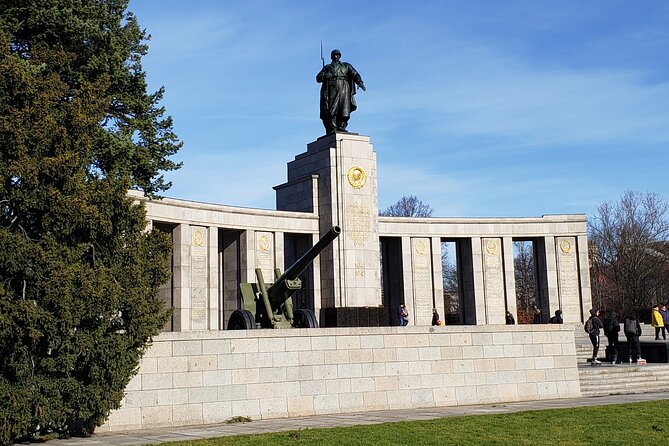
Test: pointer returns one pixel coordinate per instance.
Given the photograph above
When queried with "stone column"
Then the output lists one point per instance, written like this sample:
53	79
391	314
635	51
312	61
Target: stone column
479	281
551	300
214	275
181	278
199	278
584	276
493	276
421	261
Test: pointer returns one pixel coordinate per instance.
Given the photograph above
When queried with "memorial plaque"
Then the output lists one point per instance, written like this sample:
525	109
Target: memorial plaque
198	278
493	278
421	260
358	223
265	255
567	266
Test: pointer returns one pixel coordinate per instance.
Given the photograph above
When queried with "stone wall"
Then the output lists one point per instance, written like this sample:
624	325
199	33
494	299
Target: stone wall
210	376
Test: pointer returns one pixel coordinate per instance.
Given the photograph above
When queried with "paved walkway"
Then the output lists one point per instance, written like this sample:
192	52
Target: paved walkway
155	436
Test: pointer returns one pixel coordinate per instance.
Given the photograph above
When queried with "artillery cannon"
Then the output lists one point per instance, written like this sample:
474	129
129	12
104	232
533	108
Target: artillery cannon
271	307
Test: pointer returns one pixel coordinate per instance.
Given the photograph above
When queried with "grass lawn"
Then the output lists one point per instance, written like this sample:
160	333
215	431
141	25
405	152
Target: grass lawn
624	424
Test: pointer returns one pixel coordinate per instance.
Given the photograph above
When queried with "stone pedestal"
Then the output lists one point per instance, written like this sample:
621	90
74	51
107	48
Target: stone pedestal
345	164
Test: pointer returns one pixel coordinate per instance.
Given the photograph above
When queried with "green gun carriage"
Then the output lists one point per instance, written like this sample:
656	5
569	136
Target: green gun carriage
271	307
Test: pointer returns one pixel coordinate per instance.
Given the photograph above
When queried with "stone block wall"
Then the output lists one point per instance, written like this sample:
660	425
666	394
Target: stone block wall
208	377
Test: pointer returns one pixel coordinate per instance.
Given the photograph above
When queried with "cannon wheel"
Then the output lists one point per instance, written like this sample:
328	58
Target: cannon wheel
304	318
241	320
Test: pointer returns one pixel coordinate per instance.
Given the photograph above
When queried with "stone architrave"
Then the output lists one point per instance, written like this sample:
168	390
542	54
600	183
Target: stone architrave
199	278
568	284
493	279
265	255
421	262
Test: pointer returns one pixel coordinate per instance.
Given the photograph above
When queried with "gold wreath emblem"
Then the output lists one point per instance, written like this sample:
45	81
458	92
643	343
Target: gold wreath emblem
356	177
491	247
263	243
420	247
198	238
565	246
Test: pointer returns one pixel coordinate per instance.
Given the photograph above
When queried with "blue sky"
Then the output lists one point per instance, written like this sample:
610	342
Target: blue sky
486	108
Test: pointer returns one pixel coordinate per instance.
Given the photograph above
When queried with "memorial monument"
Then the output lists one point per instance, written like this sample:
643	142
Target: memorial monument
334	184
199	371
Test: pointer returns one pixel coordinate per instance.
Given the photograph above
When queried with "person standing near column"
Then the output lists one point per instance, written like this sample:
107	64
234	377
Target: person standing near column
632	333
593	325
611	330
403	315
664	311
658	322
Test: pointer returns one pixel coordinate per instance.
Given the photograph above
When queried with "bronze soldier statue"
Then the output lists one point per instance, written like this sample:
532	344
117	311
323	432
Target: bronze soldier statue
337	93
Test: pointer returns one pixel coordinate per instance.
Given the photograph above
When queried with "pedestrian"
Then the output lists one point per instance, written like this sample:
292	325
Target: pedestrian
611	330
557	319
536	319
632	333
509	319
402	315
592	326
435	317
658	322
664	311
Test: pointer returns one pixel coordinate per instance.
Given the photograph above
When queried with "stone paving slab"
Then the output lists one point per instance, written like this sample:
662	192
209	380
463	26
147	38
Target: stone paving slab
156	436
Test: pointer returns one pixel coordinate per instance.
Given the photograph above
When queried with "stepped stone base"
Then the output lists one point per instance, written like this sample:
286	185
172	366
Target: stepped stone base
623	379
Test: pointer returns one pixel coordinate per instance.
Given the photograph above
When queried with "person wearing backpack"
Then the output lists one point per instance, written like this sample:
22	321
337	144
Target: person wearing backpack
592	326
632	333
611	330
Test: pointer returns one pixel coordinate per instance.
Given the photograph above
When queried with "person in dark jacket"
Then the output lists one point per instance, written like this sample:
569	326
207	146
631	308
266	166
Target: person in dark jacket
509	319
557	319
435	317
403	315
632	333
611	330
594	334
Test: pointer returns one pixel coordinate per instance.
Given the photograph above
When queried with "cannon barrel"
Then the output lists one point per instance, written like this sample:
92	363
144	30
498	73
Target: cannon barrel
281	289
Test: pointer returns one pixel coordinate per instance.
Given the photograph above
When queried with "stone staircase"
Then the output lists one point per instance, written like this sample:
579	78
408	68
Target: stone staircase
619	379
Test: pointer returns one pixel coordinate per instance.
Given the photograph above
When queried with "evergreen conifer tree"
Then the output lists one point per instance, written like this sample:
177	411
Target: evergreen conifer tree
78	271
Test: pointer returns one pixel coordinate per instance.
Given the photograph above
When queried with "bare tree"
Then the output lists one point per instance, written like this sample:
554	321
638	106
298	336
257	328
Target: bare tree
629	252
408	206
525	274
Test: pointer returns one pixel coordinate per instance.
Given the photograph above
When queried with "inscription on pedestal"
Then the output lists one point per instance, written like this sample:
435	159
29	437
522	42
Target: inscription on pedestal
198	278
265	255
493	278
567	270
422	280
359	269
358	223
